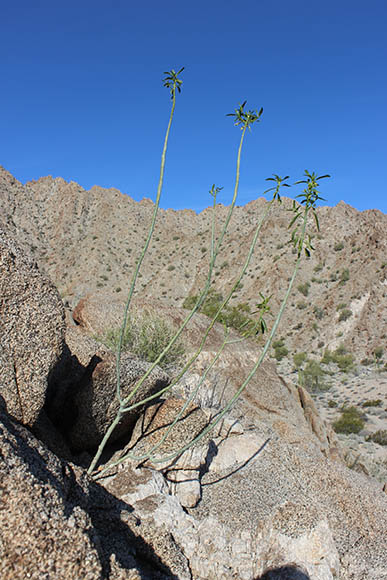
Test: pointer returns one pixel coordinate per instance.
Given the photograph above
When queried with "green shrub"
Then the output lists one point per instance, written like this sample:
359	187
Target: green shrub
345	314
146	336
304	288
236	317
344	276
351	421
378	353
327	357
299	358
332	404
280	350
372	403
379	437
342	349
345	362
338	247
312	377
340	357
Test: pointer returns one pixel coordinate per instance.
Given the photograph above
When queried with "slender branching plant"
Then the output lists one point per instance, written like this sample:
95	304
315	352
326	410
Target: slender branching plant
302	242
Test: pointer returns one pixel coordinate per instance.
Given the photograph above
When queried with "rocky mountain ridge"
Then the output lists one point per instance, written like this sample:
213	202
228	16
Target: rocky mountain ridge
90	240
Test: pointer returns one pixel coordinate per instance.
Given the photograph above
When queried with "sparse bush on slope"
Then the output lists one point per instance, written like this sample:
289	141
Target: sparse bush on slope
350	421
236	316
146	335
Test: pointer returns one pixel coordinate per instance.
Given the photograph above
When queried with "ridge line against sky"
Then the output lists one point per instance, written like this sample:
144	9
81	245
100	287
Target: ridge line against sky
83	97
209	207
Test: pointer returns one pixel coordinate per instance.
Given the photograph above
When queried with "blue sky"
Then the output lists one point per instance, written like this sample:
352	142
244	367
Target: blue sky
82	96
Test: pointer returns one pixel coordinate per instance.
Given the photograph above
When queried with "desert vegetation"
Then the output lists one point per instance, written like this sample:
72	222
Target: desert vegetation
250	324
350	421
146	335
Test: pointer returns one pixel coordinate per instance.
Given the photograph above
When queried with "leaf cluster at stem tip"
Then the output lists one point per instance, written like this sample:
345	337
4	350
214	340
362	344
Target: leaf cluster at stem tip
280	182
245	118
308	199
214	191
172	81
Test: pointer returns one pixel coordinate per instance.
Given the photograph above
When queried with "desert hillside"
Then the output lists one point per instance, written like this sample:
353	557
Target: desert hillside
89	241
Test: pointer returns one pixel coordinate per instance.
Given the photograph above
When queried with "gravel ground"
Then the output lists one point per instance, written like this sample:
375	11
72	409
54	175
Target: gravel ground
354	389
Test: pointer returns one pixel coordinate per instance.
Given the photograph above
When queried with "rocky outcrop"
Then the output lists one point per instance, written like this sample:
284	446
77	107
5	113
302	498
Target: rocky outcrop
324	432
163	431
267	500
56	523
32	332
96	404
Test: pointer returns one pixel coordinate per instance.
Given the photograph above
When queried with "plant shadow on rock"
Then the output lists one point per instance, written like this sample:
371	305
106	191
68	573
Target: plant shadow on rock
109	535
212	453
290	572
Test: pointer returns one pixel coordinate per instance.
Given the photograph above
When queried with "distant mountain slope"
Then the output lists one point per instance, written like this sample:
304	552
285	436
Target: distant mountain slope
90	240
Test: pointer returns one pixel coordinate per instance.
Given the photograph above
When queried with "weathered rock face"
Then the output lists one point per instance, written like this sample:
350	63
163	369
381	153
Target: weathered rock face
262	493
56	523
31	334
156	432
268	399
96	403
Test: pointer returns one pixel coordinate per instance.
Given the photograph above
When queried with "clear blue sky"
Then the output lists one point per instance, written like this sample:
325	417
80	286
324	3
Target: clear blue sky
81	94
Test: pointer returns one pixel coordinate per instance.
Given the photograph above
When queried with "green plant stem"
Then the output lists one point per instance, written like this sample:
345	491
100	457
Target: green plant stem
235	195
256	365
214	319
132	287
149	453
204	292
144	250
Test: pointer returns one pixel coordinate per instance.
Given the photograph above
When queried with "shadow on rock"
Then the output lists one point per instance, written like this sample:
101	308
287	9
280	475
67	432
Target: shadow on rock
290	572
94	531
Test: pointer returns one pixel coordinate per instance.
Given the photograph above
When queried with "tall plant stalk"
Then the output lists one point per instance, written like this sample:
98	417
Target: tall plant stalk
173	83
302	242
245	119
